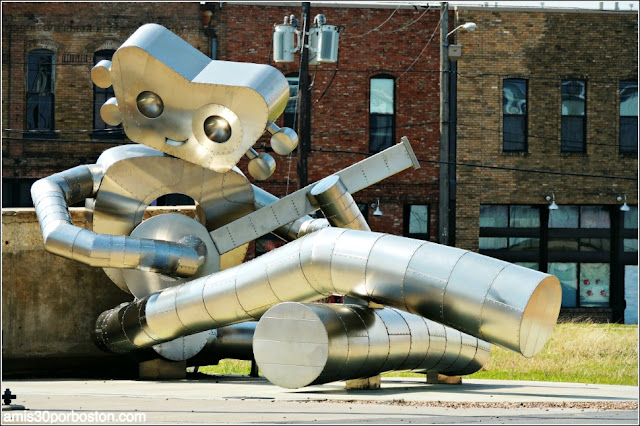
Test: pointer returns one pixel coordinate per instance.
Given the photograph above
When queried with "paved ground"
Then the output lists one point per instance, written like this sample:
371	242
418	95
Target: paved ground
236	399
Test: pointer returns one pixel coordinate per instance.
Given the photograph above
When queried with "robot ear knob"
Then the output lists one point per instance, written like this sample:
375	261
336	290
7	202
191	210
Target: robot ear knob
101	74
262	166
110	112
284	141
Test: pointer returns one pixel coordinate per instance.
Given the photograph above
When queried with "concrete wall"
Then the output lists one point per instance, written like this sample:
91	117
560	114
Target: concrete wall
50	304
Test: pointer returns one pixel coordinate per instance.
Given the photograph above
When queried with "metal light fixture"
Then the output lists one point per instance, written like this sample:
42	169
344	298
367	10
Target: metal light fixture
552	198
624	207
377	211
469	26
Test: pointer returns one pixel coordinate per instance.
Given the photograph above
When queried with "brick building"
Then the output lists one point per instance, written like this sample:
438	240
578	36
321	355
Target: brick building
385	85
556	91
74	37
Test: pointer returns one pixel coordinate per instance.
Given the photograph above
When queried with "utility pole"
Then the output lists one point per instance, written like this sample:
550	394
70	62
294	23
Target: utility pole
443	198
304	99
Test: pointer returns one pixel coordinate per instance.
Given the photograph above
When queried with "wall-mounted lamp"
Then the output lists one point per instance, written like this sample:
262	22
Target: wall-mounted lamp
552	198
624	207
377	211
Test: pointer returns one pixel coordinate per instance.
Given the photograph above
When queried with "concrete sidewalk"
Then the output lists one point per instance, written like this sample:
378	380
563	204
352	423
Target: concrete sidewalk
240	399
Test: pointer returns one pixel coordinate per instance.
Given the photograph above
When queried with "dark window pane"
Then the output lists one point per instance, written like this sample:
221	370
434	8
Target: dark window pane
564	217
492	243
631	218
514	97
567	273
381	113
628	135
291	109
594	217
524	243
630	244
514	133
572	134
524	217
380	132
494	216
573	97
594	244
39	111
40	84
628	99
563	244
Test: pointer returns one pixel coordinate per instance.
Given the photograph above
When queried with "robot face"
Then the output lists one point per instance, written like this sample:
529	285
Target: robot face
173	98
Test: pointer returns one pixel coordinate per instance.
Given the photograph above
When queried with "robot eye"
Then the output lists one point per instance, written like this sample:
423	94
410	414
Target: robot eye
150	104
217	129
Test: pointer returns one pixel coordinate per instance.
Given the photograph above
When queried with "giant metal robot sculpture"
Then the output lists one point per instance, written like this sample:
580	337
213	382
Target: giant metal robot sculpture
421	306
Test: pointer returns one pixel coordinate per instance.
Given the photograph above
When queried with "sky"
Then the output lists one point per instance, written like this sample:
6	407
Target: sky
607	5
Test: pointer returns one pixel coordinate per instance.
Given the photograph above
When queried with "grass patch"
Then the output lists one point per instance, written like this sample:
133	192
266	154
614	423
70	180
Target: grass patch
576	353
227	367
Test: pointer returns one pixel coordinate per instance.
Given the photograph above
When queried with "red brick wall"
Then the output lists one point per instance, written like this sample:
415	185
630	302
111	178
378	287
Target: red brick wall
339	121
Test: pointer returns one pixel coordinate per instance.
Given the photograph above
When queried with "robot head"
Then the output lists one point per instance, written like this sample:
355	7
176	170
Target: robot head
171	97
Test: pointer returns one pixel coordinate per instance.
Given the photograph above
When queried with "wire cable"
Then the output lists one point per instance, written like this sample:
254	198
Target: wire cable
424	48
376	28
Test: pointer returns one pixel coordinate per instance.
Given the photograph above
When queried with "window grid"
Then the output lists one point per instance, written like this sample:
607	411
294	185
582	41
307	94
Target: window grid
40	91
514	118
381	112
628	131
573	126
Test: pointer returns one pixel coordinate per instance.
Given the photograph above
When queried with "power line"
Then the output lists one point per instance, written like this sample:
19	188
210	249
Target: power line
424	48
369	32
486	166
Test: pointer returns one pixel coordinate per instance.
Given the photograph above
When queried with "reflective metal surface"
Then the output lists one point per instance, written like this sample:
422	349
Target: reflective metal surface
175	99
297	345
171	227
297	204
135	176
51	197
337	204
197	118
412	275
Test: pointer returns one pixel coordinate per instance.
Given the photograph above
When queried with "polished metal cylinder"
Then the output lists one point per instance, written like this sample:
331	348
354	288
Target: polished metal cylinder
51	197
338	205
297	345
233	341
501	303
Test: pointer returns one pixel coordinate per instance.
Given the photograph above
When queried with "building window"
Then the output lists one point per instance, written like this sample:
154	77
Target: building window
102	130
16	192
416	221
381	113
291	110
511	233
583	284
574	95
40	93
514	115
628	117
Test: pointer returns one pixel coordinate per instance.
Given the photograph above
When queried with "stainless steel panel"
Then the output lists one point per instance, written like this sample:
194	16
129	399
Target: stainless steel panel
193	88
297	345
356	177
462	308
175	228
335	260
